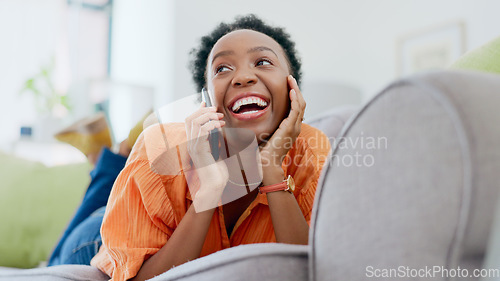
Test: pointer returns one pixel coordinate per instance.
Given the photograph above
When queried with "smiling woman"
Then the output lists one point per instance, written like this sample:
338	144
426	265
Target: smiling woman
251	22
156	220
247	76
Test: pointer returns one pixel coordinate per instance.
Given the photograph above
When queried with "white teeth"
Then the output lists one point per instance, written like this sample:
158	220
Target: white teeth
248	112
252	100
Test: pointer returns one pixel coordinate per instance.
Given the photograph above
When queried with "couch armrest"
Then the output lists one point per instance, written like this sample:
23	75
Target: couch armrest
268	261
413	181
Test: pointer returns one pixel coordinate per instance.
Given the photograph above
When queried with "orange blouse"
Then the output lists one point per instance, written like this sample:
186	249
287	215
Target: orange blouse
146	204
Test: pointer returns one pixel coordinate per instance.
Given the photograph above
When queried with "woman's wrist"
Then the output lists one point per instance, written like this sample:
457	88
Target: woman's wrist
206	199
272	175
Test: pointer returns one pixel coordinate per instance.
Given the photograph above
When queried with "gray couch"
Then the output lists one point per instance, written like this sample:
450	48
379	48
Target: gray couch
412	184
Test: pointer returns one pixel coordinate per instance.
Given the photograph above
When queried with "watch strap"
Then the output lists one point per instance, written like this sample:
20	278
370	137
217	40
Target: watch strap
274	187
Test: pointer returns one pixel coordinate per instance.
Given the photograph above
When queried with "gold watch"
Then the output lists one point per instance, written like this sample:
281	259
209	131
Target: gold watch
286	185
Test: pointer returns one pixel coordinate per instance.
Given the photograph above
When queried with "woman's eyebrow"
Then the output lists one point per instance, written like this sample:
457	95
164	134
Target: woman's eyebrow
261	48
251	50
222	53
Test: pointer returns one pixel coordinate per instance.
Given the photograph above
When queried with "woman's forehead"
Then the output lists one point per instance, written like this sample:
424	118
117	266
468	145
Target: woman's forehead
244	39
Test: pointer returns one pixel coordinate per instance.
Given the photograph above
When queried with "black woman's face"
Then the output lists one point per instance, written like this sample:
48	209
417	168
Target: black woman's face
247	79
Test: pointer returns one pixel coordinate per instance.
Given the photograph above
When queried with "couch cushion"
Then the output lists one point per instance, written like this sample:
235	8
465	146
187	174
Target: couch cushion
269	261
332	121
36	203
426	184
485	58
54	273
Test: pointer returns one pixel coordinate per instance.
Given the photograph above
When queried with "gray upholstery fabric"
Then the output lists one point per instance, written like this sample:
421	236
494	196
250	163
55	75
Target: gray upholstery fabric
426	195
492	260
54	273
246	262
332	121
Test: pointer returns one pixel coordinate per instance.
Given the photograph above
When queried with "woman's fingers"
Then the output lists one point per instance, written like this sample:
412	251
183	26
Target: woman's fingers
209	116
205	123
295	107
198	126
290	127
209	126
199	118
298	103
201	111
294	103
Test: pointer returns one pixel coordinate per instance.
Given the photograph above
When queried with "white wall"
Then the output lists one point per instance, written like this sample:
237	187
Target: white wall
33	32
351	42
28	32
142	45
141	55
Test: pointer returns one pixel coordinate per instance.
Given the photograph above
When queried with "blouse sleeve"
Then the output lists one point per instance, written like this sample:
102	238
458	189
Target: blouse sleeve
145	205
304	163
138	221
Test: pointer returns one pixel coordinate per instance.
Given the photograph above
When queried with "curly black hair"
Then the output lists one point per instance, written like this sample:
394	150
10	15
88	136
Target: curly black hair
200	55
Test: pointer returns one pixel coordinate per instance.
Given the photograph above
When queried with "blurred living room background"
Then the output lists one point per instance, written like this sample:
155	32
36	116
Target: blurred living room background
63	60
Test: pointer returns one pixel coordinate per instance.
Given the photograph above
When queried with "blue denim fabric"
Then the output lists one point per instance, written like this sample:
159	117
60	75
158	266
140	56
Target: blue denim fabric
83	243
82	236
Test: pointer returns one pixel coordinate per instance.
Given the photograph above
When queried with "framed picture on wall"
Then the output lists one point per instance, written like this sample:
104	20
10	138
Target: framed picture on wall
431	48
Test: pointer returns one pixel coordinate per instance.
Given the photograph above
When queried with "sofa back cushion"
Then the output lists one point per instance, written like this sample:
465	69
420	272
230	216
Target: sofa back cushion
413	181
332	121
485	58
36	203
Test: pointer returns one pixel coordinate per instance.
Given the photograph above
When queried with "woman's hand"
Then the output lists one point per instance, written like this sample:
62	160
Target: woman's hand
213	175
275	150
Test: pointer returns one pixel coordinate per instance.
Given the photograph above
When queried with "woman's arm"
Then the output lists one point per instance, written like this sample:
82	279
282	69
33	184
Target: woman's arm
289	224
187	240
184	245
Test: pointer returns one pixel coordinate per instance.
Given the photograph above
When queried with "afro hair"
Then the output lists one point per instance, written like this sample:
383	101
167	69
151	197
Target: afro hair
200	55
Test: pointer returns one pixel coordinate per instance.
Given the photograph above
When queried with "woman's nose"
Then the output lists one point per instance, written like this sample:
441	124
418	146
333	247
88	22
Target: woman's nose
244	77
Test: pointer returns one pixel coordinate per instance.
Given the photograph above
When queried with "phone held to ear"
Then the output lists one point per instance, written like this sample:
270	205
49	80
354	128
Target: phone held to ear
213	138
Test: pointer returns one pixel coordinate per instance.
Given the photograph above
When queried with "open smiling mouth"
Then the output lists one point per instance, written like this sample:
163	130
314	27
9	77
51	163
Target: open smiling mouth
250	107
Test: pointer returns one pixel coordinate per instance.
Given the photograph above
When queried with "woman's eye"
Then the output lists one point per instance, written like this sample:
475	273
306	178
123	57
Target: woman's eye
263	62
221	68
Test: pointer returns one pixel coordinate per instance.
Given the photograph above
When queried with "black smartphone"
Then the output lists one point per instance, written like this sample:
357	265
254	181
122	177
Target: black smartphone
214	134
